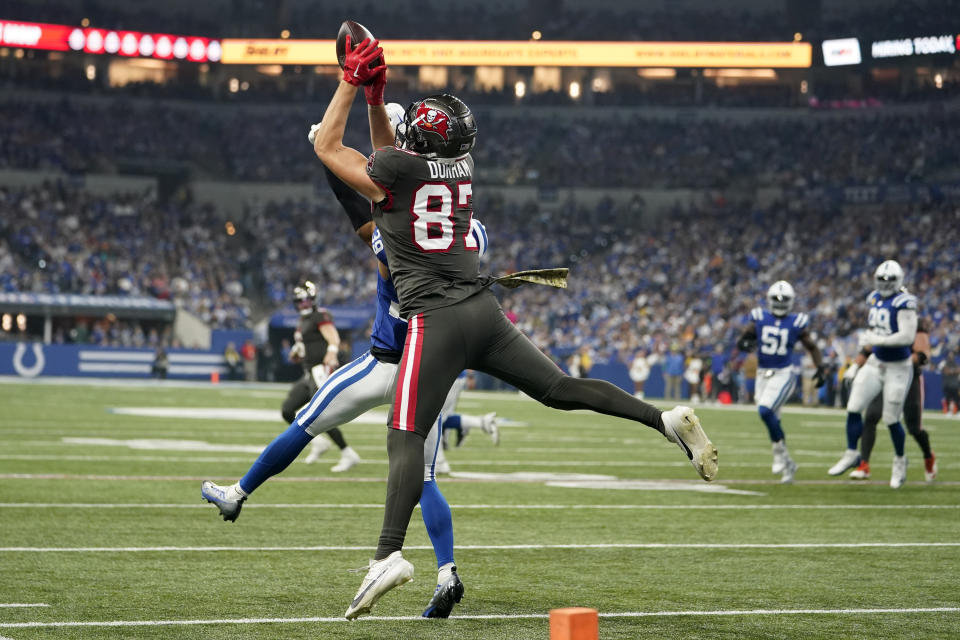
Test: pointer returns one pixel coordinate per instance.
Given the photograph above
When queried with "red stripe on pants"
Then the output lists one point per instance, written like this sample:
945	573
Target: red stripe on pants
405	397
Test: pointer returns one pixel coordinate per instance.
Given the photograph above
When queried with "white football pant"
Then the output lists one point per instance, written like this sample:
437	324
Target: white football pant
893	379
774	387
352	390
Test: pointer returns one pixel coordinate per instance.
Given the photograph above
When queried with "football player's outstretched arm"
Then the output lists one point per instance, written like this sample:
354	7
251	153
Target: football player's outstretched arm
381	130
349	164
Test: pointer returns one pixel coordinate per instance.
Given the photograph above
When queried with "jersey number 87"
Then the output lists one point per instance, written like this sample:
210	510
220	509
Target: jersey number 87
433	223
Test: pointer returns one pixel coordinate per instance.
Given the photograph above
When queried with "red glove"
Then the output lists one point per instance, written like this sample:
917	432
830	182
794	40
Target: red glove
356	64
373	91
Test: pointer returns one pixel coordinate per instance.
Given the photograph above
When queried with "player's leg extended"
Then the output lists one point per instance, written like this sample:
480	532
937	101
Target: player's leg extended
285	448
463	424
866	385
439	523
913	419
869	437
510	356
774	388
432	359
896	383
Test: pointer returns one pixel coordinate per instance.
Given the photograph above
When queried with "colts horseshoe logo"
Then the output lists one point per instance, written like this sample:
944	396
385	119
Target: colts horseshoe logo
34	370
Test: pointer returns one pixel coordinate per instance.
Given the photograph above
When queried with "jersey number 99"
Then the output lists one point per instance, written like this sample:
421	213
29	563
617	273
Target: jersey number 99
879	318
433	217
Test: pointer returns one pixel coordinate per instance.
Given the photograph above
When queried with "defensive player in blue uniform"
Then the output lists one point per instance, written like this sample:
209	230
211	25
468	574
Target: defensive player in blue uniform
891	330
774	333
351	391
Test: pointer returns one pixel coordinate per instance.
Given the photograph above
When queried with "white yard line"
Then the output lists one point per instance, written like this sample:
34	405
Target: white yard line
516	616
496	547
493	507
12	605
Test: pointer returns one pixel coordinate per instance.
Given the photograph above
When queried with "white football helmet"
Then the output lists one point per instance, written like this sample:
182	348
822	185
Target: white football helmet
780	298
305	298
396	113
888	278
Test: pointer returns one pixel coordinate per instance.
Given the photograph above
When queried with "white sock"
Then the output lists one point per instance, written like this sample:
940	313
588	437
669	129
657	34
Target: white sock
235	492
443	574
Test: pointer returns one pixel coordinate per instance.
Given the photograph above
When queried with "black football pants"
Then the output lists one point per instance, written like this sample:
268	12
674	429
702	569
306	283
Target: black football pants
474	334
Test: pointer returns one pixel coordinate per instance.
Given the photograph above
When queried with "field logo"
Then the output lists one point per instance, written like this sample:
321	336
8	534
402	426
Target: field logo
33	370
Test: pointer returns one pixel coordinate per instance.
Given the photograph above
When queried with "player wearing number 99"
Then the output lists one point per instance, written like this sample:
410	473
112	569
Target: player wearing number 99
774	332
891	330
420	182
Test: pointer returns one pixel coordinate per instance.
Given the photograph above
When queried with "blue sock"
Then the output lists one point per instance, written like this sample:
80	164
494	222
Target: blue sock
452	421
854	429
439	522
276	457
898	436
773	423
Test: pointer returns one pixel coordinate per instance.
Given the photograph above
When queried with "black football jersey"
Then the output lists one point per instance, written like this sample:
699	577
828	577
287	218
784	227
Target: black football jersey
425	225
313	340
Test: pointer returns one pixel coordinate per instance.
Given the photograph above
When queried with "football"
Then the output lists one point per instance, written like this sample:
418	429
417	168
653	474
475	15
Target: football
357	33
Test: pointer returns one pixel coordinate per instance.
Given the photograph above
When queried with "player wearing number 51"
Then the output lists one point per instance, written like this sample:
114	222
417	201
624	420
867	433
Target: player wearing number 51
774	333
891	331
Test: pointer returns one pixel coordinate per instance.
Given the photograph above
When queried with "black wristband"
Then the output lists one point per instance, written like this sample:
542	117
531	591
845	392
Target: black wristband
921	358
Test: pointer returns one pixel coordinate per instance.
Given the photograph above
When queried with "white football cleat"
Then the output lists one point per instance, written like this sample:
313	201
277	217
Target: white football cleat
848	460
898	475
682	427
382	576
348	459
490	427
930	468
779	457
789	471
318	446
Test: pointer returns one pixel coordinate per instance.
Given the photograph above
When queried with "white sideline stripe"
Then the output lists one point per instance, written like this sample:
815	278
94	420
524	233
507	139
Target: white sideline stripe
501	547
454	478
505	507
19	604
513	616
137	356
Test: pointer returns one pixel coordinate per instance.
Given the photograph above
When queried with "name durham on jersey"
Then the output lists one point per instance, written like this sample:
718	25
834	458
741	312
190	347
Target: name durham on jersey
445	170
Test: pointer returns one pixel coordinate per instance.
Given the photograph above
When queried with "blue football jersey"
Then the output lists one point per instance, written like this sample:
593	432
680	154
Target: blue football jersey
389	329
776	337
882	318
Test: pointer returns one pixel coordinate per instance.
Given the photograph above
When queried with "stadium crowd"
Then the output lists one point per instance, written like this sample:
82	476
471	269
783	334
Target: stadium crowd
633	287
523	146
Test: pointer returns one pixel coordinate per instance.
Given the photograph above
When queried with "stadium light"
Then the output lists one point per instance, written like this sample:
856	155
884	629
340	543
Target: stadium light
285	34
574	90
520	89
536	35
91	72
938	81
234	85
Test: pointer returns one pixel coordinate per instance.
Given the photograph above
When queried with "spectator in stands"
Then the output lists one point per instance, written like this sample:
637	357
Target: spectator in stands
673	372
249	354
950	368
160	364
234	362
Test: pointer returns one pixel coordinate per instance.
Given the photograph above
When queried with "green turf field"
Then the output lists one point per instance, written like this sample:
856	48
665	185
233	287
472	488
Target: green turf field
101	522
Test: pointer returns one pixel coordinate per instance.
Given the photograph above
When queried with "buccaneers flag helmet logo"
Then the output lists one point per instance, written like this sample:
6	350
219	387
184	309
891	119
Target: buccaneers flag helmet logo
433	120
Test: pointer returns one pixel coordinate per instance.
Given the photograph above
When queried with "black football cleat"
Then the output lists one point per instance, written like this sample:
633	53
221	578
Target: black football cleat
446	595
